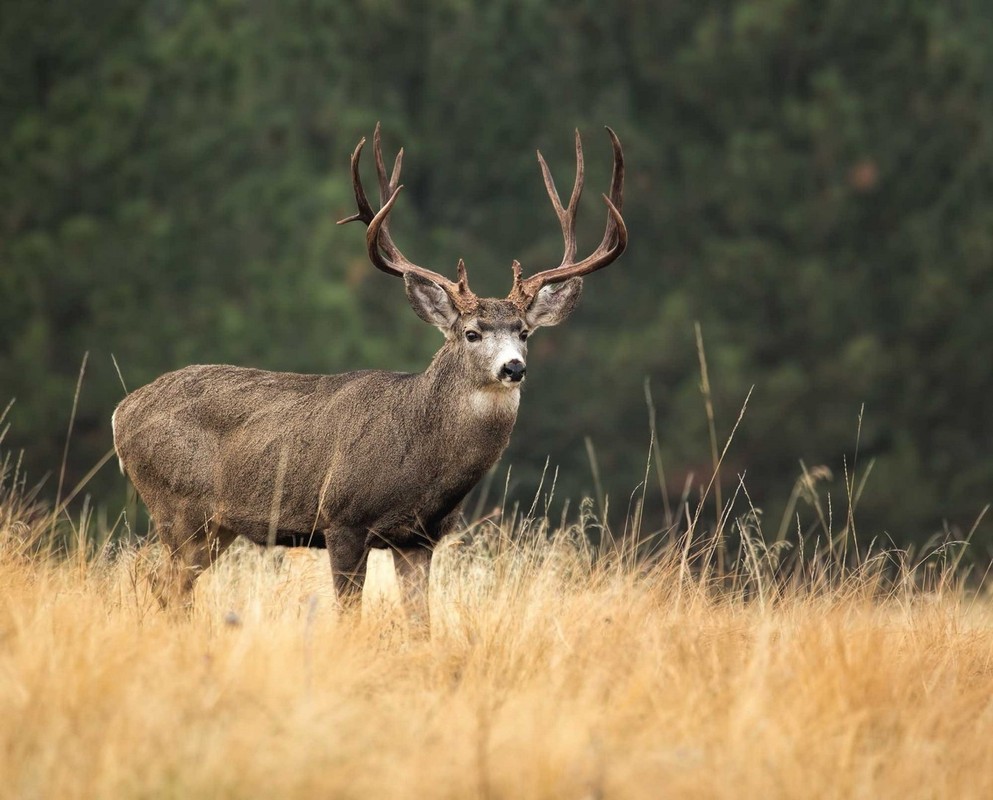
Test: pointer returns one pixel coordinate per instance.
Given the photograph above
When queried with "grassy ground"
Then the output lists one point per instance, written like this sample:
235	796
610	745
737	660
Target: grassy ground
546	675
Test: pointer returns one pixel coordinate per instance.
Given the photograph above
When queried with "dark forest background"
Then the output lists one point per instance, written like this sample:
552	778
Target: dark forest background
812	182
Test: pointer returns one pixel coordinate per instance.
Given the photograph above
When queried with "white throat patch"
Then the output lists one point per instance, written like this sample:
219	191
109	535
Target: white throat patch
498	400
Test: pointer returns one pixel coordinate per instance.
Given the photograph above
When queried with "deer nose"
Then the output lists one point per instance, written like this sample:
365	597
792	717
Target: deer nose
513	371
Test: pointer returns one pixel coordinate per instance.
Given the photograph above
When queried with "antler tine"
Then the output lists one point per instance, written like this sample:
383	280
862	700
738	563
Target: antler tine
567	216
383	253
616	199
386	187
365	213
615	236
386	190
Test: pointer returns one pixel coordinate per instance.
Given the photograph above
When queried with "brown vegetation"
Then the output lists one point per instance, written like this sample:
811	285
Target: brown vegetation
551	671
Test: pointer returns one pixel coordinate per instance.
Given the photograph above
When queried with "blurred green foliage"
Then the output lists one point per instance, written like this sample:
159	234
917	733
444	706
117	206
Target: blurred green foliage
811	181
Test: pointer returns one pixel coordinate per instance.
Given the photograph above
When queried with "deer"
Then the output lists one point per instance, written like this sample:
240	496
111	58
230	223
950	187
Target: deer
360	460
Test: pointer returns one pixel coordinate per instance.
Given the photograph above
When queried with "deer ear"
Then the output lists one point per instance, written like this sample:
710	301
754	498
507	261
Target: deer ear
554	303
430	301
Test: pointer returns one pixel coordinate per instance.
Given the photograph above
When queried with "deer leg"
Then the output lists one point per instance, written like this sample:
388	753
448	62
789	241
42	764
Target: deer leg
348	553
413	567
193	543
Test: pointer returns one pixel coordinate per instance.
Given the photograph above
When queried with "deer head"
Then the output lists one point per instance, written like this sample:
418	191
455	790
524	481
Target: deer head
490	334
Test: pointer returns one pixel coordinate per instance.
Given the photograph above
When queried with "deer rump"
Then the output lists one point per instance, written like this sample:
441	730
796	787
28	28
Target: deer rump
282	458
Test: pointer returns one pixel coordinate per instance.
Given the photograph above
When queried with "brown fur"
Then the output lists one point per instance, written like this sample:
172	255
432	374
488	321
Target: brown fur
354	461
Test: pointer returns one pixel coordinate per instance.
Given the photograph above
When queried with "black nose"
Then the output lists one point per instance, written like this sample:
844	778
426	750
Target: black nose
514	370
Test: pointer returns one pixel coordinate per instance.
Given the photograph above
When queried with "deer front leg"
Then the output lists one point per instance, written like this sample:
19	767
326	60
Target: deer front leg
348	552
192	544
413	568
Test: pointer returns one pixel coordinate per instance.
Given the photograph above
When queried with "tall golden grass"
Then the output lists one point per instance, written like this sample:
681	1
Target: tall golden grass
552	670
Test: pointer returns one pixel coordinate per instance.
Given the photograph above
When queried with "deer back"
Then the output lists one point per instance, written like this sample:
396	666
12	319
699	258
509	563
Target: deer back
371	449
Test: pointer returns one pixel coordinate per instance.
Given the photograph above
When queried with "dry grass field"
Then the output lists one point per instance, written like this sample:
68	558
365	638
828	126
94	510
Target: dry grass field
549	673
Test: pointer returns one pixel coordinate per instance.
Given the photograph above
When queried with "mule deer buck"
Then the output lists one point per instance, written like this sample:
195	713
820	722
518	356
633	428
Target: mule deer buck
360	460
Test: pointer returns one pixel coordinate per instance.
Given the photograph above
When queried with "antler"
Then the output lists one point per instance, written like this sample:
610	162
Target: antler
615	237
383	253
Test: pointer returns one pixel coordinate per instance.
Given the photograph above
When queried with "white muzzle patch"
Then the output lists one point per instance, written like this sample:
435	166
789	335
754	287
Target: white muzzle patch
507	347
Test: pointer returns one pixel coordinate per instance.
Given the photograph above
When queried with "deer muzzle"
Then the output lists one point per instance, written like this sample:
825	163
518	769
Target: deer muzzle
513	371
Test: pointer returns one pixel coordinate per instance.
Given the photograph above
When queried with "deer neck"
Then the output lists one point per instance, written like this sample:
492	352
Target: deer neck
451	383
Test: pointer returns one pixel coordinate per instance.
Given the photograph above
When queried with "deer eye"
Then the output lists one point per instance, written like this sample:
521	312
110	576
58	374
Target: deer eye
524	335
472	336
